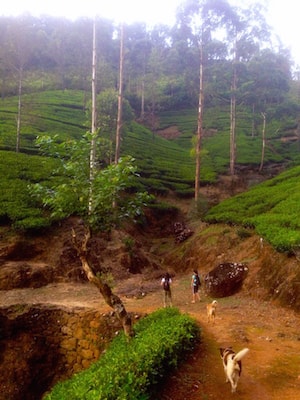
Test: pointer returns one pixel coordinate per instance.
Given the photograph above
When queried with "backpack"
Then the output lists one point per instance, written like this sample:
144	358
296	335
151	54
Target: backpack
166	284
196	280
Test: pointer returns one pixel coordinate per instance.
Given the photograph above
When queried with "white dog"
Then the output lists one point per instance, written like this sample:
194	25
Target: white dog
232	365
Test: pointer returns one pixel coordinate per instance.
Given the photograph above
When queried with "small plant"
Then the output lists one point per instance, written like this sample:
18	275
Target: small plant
129	244
243	233
107	278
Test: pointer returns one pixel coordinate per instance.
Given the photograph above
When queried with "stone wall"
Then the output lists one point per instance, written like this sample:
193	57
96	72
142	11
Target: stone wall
41	345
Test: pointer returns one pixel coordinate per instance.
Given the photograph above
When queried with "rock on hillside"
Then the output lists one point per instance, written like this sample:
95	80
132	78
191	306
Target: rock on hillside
271	275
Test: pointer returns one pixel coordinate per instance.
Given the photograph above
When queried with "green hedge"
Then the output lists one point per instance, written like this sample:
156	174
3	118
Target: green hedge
131	370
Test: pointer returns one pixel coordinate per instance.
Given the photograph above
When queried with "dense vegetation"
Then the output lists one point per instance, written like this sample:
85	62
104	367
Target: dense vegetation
45	66
17	206
272	208
132	370
158	162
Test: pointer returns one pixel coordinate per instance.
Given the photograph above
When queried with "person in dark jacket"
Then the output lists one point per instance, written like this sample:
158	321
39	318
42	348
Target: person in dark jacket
195	284
166	284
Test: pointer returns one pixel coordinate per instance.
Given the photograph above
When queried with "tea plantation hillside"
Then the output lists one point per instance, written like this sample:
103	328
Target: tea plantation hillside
282	137
63	113
165	165
272	208
49	112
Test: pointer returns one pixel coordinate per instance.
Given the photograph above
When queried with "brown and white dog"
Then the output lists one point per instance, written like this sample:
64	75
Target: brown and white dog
232	365
211	311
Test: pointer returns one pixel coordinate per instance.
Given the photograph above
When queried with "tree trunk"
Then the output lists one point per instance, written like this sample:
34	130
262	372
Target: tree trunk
253	121
199	126
110	298
233	114
232	134
142	116
120	97
94	122
263	142
19	110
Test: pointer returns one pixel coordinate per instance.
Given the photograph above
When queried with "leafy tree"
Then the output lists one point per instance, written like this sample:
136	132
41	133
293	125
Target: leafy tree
137	49
69	192
246	32
198	19
102	208
268	80
106	119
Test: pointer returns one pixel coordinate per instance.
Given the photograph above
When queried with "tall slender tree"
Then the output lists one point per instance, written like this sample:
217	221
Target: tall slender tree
263	142
81	242
199	123
120	95
20	47
94	119
233	111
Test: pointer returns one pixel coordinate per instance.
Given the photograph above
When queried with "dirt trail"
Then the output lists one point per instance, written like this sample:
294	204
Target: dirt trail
271	370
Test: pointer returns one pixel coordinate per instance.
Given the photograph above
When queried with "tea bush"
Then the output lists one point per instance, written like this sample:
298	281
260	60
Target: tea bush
272	208
17	206
131	370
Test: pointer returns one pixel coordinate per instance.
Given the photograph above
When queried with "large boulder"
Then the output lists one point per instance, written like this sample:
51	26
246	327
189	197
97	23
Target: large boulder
182	232
226	279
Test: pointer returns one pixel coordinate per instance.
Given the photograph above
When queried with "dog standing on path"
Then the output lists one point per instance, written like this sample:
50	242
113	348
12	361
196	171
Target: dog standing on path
232	365
211	311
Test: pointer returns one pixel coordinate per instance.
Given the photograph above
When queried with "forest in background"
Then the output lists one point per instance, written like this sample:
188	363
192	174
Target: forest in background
161	63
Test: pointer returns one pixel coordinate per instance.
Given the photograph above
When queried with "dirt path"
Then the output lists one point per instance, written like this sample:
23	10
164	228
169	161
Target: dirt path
271	370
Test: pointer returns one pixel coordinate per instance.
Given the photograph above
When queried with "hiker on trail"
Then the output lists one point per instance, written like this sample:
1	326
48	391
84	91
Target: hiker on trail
195	284
166	284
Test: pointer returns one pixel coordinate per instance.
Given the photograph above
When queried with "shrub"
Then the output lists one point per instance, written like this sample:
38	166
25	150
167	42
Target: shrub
131	370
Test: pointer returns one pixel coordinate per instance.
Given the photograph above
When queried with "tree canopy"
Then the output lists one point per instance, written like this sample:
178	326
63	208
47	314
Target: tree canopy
161	62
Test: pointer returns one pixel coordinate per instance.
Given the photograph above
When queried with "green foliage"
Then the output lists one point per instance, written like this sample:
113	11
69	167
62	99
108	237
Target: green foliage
111	203
131	370
243	233
102	201
215	142
50	112
20	170
63	113
158	158
162	165
107	110
272	208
